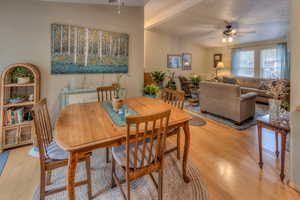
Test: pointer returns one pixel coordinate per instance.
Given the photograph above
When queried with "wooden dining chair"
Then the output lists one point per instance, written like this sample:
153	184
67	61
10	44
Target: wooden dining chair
106	93
174	98
143	152
50	154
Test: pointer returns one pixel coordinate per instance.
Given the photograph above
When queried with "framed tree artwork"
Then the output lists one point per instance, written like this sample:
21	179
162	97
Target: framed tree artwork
77	49
186	61
174	61
217	58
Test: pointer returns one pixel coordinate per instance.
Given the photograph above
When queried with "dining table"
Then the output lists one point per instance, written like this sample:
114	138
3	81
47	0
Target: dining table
82	128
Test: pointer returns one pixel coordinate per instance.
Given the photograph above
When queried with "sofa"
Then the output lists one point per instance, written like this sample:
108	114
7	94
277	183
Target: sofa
226	100
257	85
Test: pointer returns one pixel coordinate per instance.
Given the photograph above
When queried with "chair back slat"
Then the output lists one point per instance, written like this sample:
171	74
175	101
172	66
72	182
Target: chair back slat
43	128
144	155
105	93
173	97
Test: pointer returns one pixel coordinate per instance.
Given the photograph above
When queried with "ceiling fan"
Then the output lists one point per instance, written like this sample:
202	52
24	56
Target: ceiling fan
231	32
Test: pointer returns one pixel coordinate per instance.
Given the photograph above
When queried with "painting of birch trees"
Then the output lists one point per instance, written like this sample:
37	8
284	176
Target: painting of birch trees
84	50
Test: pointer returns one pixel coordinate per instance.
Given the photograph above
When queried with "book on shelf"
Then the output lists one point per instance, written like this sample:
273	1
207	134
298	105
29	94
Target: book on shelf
13	116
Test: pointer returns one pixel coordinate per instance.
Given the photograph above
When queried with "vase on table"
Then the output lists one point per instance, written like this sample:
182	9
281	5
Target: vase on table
274	109
117	104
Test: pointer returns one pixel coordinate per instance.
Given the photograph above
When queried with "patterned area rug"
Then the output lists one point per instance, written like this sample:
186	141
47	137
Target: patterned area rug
174	187
260	110
3	159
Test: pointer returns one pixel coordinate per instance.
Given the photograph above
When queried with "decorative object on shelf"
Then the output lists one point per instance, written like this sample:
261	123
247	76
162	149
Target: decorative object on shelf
21	75
186	61
151	90
117	100
217	59
277	90
159	78
174	61
77	49
171	82
16	99
219	66
16	126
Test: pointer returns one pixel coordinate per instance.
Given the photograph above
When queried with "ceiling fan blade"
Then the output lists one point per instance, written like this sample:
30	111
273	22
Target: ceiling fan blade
112	1
245	32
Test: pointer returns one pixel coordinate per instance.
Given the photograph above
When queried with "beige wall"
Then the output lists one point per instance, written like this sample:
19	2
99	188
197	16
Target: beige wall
25	37
226	51
159	45
295	93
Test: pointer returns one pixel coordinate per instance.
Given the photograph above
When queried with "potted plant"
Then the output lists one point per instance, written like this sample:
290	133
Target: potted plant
196	79
117	101
277	90
16	99
151	90
21	75
171	83
159	78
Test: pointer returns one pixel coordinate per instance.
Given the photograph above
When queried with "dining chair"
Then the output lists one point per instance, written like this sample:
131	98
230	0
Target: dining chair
174	98
106	93
143	151
50	154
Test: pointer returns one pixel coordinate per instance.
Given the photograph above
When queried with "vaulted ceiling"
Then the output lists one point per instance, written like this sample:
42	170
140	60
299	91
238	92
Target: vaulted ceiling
203	20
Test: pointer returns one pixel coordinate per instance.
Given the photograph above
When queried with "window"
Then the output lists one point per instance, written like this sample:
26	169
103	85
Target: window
243	62
268	62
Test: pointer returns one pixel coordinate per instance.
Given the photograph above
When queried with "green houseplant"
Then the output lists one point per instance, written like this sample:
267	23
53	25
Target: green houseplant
159	77
21	75
151	90
196	79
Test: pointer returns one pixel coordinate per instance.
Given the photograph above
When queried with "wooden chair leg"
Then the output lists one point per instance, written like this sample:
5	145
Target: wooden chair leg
128	189
113	172
48	177
88	175
178	145
107	155
43	184
160	184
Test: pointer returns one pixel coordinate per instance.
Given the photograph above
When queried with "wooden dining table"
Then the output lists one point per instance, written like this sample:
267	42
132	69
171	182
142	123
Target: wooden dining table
82	128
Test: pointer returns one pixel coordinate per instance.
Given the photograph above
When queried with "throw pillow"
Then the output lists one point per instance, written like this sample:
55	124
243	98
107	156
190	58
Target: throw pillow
229	80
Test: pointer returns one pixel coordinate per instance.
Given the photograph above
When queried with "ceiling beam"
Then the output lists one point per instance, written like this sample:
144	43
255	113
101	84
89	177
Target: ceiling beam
169	13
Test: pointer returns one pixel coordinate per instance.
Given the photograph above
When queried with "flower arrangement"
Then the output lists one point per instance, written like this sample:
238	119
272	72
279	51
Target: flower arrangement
196	79
158	77
277	89
117	85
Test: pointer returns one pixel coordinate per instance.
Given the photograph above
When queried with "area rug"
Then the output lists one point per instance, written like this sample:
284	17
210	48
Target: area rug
197	121
260	110
143	188
3	159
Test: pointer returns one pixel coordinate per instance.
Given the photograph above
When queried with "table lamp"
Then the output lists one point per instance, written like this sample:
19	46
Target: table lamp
219	66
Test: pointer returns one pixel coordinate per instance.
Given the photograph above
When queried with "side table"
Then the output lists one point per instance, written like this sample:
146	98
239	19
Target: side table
281	128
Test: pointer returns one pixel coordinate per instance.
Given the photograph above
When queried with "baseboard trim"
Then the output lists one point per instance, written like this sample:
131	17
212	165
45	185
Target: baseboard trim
294	186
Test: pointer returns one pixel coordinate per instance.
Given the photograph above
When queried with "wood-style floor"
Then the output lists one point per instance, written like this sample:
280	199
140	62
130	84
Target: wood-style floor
226	158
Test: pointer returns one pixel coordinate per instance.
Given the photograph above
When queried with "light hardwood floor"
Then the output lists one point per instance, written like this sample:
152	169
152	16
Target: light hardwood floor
226	158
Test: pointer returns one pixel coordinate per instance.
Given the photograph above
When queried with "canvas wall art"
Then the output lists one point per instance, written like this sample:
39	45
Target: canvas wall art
174	61
77	49
187	61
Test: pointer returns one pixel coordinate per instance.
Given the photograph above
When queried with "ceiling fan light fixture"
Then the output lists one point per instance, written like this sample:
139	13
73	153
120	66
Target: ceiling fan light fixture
230	39
224	40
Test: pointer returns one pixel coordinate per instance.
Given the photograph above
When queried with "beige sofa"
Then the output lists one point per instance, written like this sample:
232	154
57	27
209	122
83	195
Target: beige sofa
257	85
225	100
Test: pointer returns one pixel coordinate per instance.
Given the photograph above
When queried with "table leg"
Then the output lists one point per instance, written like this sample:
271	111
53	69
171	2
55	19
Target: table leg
72	163
276	138
283	147
186	130
259	130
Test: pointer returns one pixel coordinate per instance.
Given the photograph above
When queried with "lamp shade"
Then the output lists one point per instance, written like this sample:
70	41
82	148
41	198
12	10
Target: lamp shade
220	65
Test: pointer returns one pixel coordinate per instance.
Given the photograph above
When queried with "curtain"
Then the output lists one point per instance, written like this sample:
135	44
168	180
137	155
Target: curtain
235	61
284	64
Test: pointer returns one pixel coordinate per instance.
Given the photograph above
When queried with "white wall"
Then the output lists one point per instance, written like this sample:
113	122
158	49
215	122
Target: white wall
295	92
159	45
25	37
